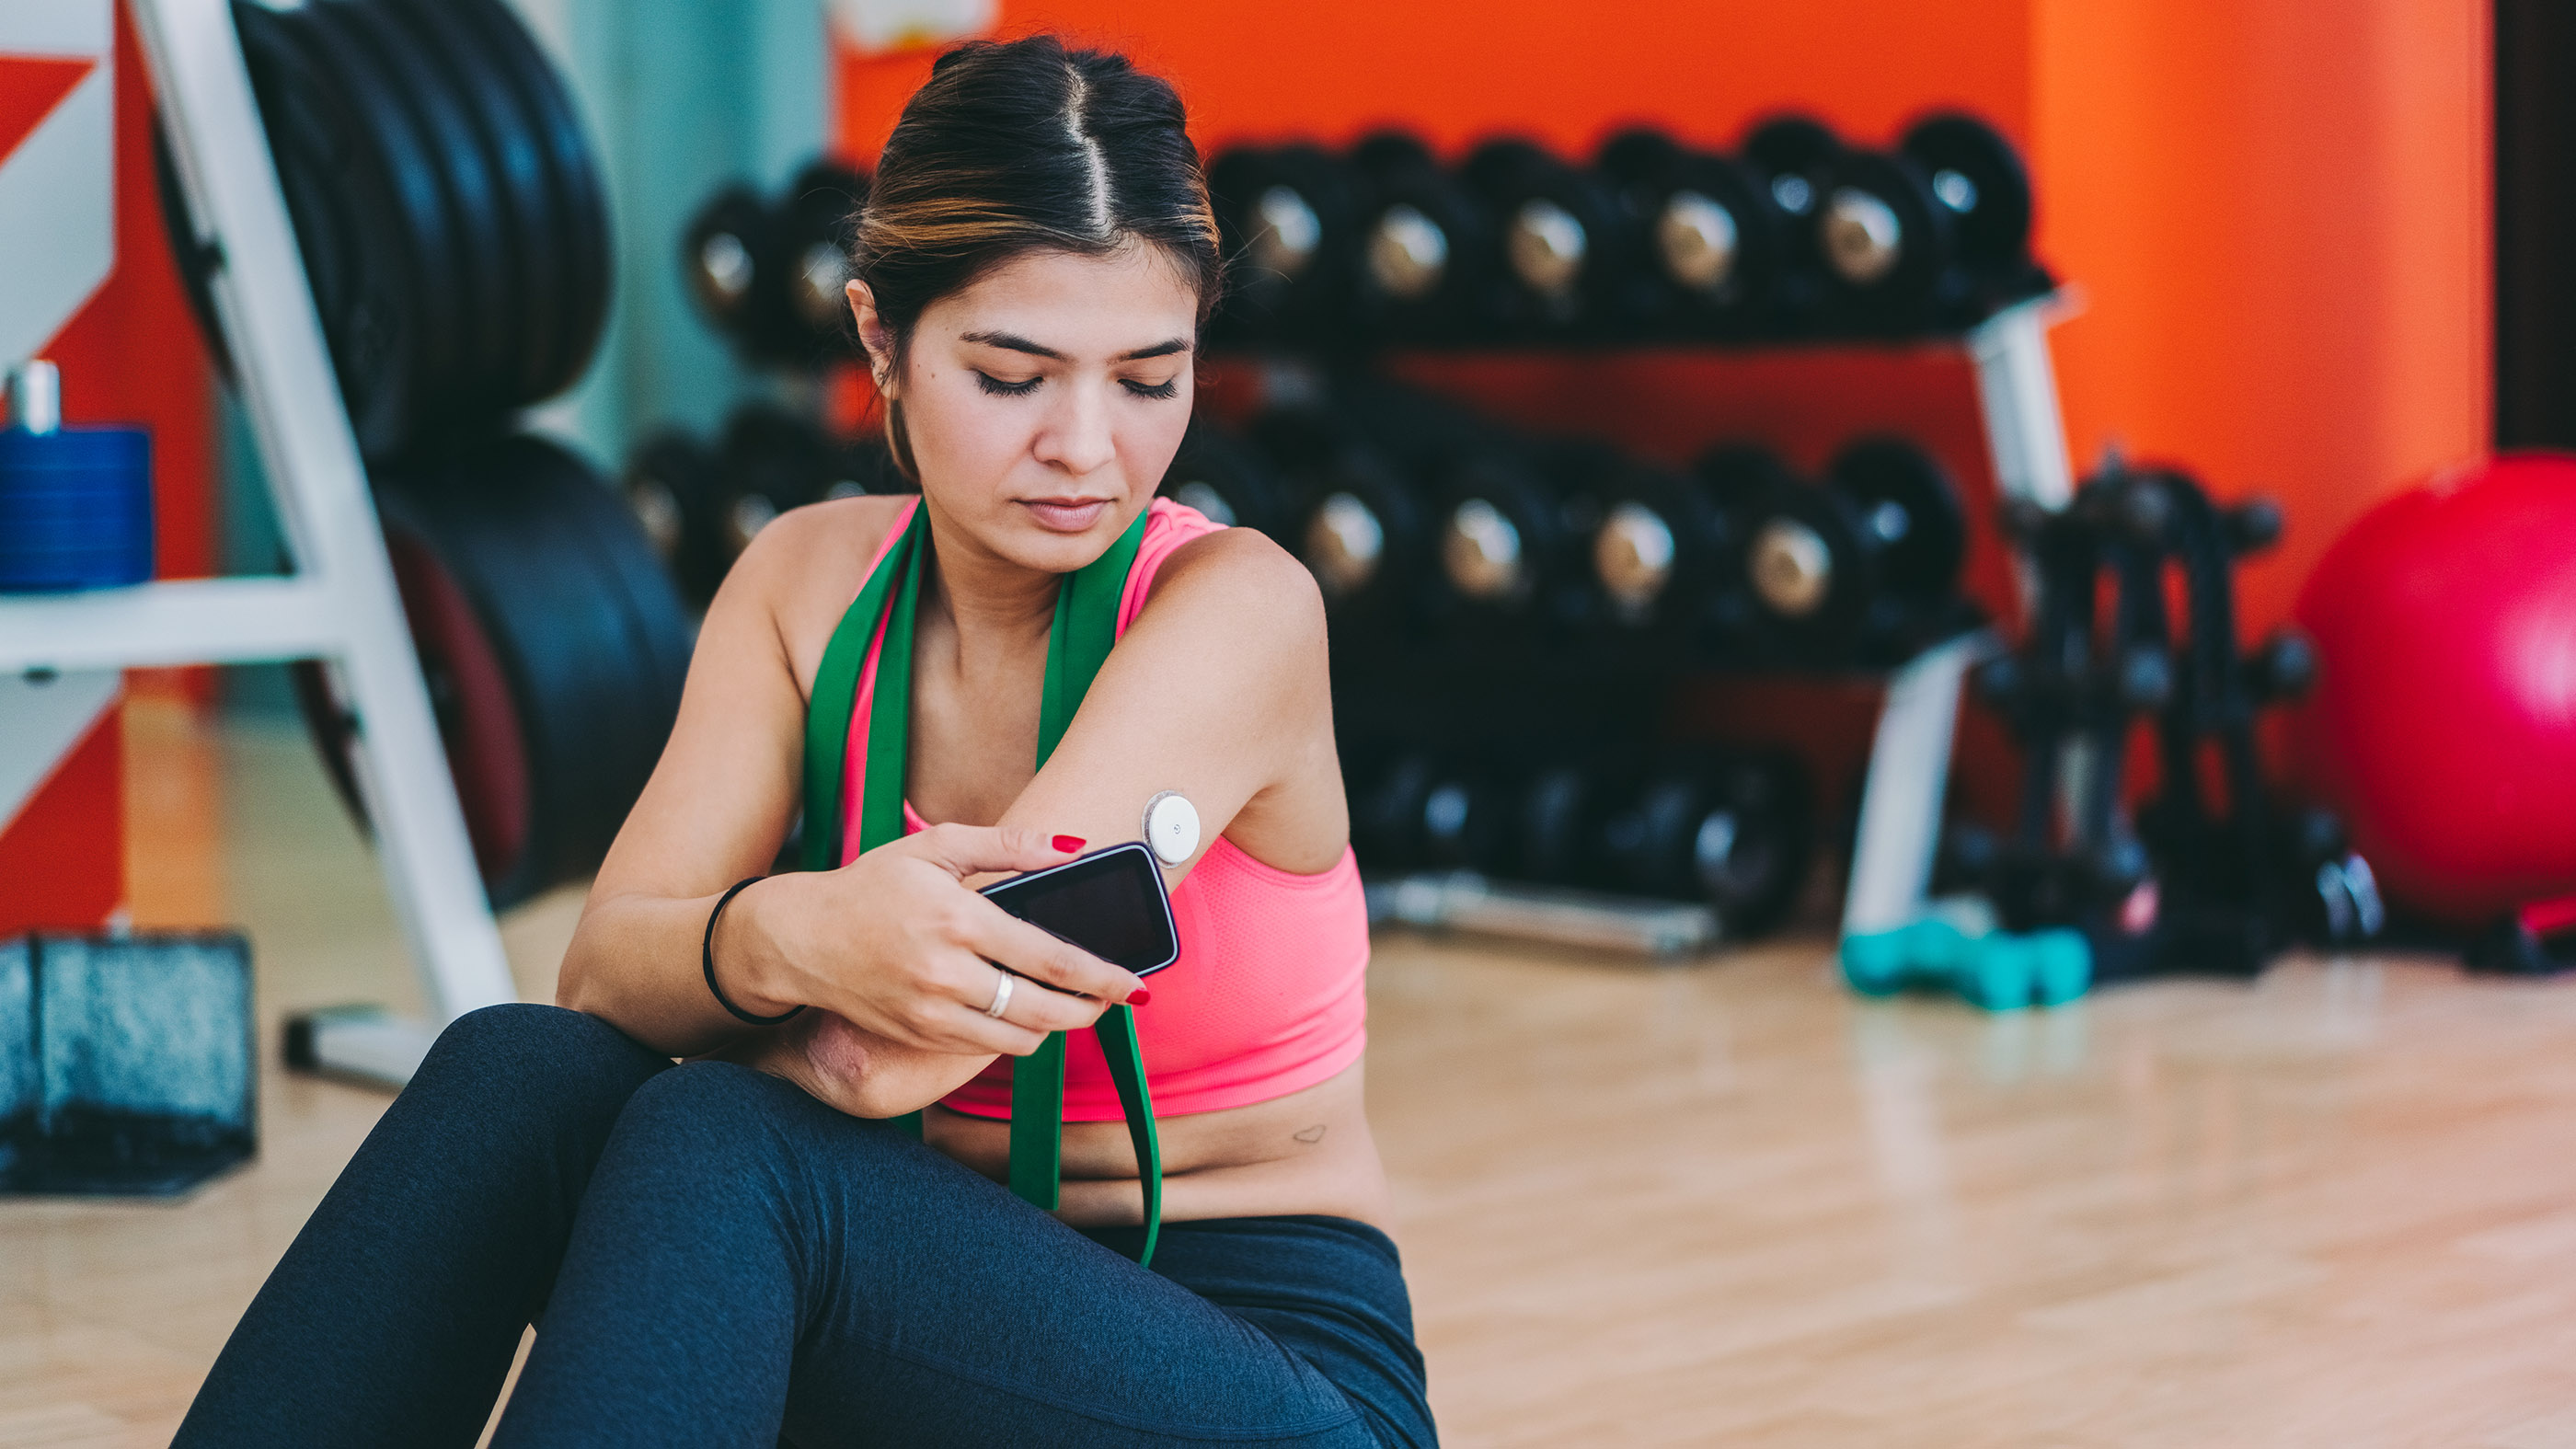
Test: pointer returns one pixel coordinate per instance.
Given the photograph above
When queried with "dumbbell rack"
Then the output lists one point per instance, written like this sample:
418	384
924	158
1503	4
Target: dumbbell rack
340	605
1909	764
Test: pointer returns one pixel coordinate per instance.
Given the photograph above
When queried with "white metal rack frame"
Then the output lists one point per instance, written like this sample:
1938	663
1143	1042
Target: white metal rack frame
340	604
1909	759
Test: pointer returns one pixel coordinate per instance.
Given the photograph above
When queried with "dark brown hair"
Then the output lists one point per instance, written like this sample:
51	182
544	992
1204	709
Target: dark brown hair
1022	146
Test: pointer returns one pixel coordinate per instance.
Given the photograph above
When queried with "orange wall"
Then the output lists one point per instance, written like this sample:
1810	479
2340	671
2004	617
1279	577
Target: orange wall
2276	211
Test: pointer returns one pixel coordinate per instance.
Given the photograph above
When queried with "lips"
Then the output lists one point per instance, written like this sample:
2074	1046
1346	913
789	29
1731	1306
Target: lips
1066	515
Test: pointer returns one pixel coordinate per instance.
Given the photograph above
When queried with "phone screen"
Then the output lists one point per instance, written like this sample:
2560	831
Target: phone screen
1111	903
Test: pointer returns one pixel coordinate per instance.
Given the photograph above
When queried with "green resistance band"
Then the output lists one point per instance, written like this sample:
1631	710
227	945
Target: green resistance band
1086	626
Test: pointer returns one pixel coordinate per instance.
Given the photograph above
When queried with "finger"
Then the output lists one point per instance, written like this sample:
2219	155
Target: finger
965	850
999	936
1032	1005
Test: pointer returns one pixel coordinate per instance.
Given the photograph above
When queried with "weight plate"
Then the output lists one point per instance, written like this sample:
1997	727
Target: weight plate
432	240
672	486
1810	573
583	256
1430	255
1791	154
487	270
506	144
1905	499
347	229
1216	473
1977	175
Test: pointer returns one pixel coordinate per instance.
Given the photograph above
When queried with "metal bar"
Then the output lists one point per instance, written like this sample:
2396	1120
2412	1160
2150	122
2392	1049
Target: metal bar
174	621
1900	801
312	459
2017	394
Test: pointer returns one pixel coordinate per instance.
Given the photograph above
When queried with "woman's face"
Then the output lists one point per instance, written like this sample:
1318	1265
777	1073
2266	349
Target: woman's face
1044	402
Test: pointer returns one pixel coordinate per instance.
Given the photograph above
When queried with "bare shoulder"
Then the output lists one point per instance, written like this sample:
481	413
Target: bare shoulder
838	536
800	573
1240	582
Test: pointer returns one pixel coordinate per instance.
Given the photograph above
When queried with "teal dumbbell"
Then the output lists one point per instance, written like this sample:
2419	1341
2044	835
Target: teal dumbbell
1999	971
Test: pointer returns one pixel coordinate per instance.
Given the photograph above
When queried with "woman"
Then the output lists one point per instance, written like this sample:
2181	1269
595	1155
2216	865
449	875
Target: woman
742	1248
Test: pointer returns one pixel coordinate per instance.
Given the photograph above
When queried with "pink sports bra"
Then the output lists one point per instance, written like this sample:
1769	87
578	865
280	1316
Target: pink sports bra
1267	997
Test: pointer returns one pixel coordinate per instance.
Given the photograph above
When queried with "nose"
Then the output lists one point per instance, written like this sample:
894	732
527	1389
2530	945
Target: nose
1077	437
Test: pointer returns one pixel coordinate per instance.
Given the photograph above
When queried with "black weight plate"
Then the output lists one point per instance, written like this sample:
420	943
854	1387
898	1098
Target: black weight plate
584	257
587	634
408	66
1656	178
672	484
347	229
1905	498
1263	294
721	253
506	143
1994	228
1400	171
432	239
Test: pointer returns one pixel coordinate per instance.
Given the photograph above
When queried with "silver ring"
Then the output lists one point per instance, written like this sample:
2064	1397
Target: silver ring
1001	996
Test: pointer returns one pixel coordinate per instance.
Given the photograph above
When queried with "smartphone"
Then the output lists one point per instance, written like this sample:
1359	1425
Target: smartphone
1111	903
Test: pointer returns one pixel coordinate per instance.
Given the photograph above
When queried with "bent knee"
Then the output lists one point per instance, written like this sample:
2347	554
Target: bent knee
539	1051
727	1111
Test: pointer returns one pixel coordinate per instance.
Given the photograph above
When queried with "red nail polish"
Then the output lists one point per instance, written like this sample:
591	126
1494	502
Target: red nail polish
1139	996
1068	843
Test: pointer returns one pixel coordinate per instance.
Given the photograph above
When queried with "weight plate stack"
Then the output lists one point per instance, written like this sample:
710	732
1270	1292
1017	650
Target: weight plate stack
358	257
553	645
75	509
1714	237
583	256
449	216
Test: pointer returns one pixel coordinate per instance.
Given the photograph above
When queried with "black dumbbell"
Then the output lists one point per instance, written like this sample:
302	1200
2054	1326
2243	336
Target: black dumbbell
1979	179
1569	245
1358	521
1562	810
673	486
1734	829
1514	538
815	223
1912	237
1668	555
728	263
1290	219
1713	235
1874	550
1793	157
1427	254
772	460
1226	478
1424	809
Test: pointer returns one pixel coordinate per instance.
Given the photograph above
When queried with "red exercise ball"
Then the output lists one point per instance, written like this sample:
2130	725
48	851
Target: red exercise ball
2444	721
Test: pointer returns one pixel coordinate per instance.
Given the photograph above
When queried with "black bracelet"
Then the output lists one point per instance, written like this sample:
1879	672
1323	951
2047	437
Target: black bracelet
708	953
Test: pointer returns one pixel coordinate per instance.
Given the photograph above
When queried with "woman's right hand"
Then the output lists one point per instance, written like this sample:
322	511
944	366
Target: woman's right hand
897	944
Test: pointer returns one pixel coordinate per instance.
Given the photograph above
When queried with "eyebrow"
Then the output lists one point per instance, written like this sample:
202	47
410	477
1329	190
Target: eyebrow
1013	342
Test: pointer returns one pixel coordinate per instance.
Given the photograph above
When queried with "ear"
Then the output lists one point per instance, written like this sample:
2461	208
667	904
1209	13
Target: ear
873	336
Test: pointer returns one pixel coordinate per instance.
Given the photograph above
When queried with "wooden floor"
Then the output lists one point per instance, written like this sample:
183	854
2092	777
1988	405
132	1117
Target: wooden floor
1722	1203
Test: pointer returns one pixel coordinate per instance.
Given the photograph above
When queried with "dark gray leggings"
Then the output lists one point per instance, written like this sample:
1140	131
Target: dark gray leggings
713	1257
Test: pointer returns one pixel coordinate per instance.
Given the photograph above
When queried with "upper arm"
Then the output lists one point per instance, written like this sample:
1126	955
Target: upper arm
1219	690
